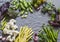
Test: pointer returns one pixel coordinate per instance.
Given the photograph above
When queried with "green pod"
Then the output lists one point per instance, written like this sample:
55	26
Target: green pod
25	4
22	6
52	37
14	2
22	12
17	6
48	29
51	34
24	16
31	10
45	30
29	4
50	40
48	32
26	13
56	34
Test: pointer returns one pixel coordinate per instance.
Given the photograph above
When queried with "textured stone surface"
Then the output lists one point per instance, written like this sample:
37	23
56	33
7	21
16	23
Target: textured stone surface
34	20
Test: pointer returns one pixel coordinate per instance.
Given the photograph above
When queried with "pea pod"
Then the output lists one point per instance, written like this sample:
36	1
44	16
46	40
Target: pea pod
30	9
25	4
22	7
24	16
29	4
26	13
22	12
17	5
52	37
50	33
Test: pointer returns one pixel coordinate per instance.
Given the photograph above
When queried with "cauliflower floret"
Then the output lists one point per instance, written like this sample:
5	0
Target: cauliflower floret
14	27
15	33
10	29
5	31
9	38
10	23
12	20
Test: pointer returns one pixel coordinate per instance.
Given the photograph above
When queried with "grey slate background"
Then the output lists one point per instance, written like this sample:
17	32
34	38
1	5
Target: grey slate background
36	19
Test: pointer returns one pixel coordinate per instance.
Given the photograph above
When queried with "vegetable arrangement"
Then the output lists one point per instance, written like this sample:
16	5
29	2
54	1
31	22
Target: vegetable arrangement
48	34
25	34
22	6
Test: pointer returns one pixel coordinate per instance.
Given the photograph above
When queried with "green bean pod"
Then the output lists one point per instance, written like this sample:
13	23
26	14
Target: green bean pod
22	12
22	6
31	10
25	4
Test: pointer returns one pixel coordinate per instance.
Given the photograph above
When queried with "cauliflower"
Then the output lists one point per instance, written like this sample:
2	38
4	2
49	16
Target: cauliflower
14	27
12	20
11	29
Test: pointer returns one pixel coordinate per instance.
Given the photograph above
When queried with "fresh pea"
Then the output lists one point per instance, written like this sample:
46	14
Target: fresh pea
30	9
25	4
24	16
22	6
22	12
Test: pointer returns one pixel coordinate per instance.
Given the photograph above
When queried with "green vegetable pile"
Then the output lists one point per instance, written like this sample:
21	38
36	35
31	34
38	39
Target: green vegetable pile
48	34
23	6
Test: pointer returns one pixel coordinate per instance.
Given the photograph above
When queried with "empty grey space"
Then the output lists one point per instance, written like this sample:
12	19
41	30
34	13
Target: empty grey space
36	19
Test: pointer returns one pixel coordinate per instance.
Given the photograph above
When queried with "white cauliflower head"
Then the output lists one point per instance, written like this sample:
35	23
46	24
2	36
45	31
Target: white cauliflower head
12	20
